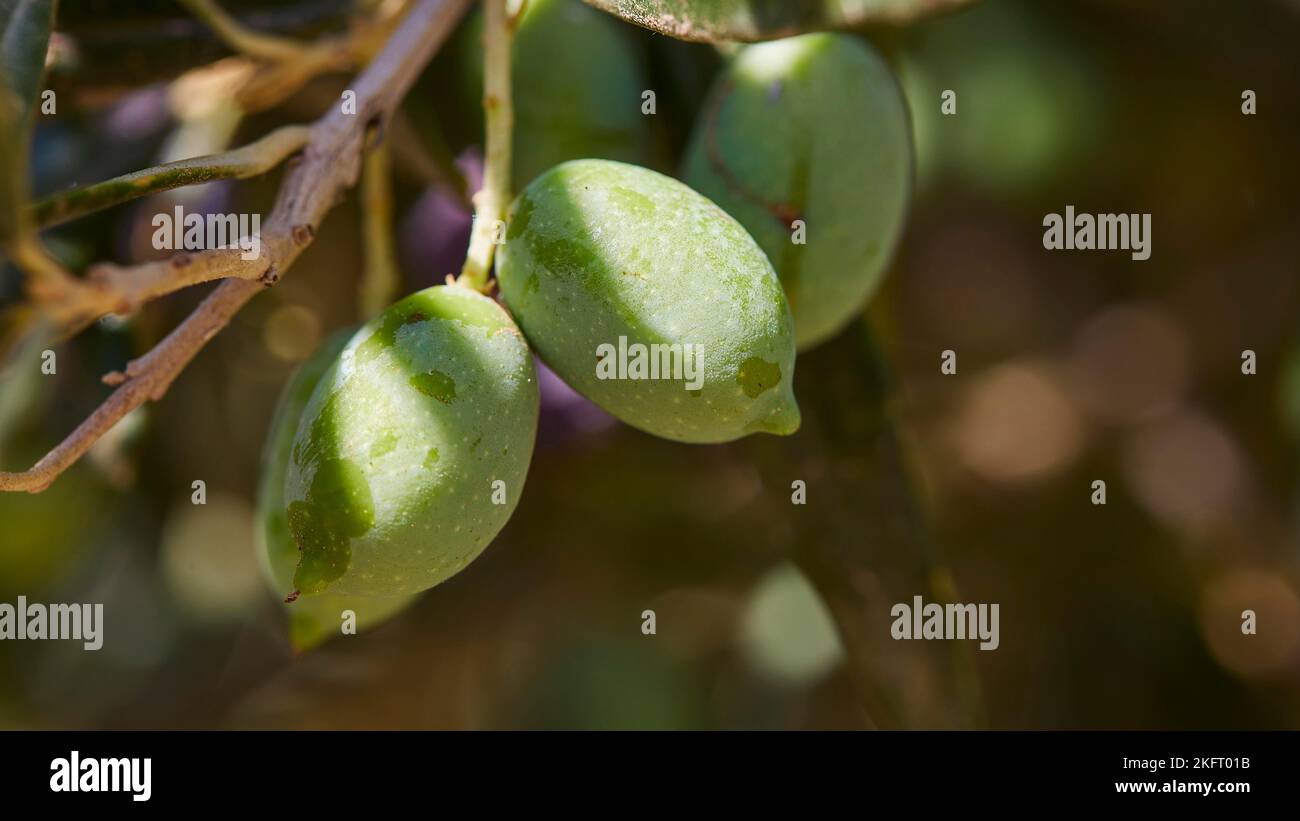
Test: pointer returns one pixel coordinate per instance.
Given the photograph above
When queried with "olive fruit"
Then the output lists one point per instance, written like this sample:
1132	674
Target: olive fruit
412	451
650	301
806	141
577	82
312	619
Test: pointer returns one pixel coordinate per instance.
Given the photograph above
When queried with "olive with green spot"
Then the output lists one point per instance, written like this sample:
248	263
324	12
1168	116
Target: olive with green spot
825	189
387	490
602	256
312	619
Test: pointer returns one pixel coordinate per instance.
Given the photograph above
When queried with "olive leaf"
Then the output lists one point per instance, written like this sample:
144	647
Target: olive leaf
711	21
24	37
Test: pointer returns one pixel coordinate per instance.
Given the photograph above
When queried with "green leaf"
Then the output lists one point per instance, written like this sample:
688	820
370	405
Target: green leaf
712	21
24	38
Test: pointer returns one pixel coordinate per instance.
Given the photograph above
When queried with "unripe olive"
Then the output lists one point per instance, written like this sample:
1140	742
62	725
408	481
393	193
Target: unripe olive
312	619
810	132
412	451
602	258
577	85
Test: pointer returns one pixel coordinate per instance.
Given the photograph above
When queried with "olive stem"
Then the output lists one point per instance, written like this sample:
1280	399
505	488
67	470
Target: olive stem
250	160
499	122
380	278
330	165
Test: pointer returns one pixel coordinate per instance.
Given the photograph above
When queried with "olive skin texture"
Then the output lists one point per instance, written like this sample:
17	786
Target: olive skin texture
601	256
577	80
811	128
412	451
312	619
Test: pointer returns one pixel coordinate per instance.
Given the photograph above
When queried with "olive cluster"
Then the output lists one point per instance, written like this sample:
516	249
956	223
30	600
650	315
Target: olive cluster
399	451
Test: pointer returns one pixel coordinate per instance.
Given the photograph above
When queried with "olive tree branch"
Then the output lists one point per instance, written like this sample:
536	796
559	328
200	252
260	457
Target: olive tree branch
490	202
73	303
250	160
329	165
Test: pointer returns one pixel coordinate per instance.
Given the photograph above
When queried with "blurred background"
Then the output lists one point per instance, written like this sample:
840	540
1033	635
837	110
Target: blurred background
971	487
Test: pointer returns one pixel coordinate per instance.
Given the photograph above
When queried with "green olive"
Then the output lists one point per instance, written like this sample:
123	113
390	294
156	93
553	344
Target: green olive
411	453
807	142
651	301
312	619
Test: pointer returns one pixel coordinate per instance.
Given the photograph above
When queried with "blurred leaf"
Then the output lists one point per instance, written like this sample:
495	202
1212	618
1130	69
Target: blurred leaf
604	683
24	38
47	534
20	369
788	633
712	21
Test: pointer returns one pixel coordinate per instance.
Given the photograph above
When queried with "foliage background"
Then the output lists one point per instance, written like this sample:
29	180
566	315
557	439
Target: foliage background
1072	367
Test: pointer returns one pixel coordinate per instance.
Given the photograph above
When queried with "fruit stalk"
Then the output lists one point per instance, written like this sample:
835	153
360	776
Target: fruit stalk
381	279
499	122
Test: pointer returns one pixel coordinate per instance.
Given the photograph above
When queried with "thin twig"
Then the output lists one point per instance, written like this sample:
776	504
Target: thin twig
250	160
243	39
330	165
270	84
490	202
124	288
283	66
